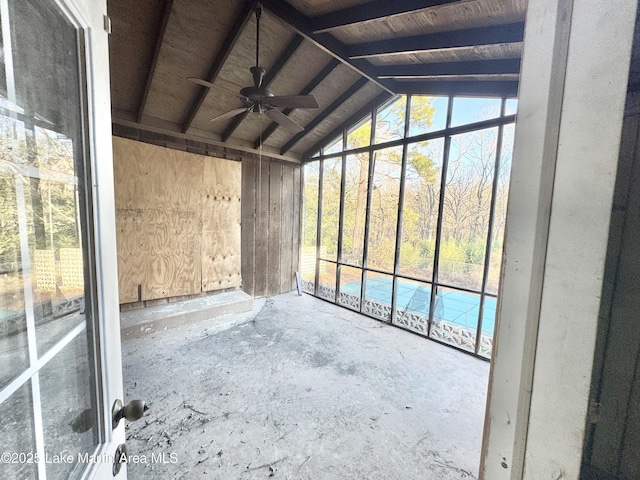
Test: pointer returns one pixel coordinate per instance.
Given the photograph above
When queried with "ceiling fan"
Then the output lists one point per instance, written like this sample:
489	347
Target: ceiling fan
260	100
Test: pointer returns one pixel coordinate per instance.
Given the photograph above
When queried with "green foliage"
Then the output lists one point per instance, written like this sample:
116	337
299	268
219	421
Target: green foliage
452	251
50	205
467	197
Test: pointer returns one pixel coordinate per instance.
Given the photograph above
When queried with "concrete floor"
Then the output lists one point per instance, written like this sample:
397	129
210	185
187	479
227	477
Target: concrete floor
303	390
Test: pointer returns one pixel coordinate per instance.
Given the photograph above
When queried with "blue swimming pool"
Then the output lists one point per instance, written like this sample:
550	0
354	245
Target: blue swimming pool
452	306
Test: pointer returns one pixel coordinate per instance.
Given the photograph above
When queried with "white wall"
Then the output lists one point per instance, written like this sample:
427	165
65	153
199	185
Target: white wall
571	101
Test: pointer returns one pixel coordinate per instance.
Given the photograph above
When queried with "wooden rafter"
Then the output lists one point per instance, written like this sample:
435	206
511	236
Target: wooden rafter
168	5
488	67
372	11
324	41
471	37
333	63
325	113
232	38
458	87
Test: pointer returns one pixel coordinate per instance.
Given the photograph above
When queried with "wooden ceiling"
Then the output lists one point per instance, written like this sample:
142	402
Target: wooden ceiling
350	54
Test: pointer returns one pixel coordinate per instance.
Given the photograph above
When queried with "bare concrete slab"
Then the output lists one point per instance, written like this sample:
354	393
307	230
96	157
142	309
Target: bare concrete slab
170	315
302	389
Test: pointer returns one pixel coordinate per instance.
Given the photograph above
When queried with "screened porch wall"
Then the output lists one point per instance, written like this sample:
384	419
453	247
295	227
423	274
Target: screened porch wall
403	216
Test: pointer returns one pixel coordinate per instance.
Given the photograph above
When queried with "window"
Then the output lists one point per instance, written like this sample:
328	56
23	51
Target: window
412	224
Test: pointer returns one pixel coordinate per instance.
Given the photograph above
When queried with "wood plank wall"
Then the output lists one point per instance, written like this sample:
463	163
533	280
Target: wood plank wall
613	444
270	226
256	256
177	220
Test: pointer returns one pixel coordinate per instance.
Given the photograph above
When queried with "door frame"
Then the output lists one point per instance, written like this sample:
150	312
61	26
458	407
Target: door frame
90	17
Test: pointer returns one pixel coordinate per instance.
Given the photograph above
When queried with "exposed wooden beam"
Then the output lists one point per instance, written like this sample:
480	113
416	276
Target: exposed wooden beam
468	88
471	37
488	67
168	5
275	69
333	63
325	113
229	42
326	42
372	11
356	117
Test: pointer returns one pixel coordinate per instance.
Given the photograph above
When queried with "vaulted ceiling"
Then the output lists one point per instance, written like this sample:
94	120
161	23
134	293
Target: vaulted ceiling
351	55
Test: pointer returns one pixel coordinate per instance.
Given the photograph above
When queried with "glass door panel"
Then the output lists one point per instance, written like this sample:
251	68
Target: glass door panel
49	402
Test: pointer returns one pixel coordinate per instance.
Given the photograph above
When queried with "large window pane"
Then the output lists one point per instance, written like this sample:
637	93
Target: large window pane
309	226
428	114
327	282
377	296
355	206
17	434
332	173
390	121
13	322
384	209
467	202
469	110
350	287
412	305
334	146
360	134
488	326
67	410
455	318
420	212
500	215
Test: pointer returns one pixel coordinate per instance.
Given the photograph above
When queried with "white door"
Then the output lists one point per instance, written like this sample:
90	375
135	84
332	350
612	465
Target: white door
60	362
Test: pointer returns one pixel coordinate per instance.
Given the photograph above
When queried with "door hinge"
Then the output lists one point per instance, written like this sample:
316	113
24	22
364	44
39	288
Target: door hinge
107	24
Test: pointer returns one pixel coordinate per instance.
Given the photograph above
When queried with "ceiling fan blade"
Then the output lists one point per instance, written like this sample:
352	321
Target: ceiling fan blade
230	114
294	101
199	81
280	118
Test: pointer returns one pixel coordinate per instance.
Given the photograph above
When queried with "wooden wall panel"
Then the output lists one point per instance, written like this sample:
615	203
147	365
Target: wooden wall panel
615	442
271	226
274	262
286	228
261	249
221	214
248	215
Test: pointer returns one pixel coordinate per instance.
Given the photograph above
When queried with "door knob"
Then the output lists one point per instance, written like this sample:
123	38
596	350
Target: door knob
133	411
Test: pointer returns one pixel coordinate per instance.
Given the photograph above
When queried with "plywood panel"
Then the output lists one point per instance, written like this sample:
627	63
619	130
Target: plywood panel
248	224
178	221
221	233
152	177
131	253
286	229
172	253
